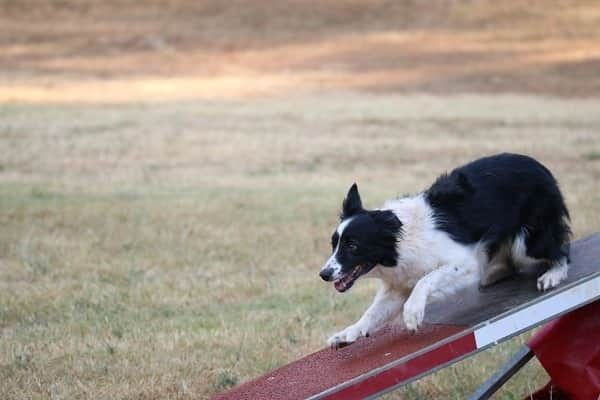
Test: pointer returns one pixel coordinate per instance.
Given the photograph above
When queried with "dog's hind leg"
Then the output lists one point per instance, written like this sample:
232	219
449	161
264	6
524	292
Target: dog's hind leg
497	268
527	251
554	276
495	272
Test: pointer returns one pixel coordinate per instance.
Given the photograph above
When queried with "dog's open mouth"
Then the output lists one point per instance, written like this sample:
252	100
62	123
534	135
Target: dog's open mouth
346	281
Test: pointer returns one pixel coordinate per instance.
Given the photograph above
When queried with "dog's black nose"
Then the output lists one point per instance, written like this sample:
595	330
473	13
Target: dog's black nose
326	274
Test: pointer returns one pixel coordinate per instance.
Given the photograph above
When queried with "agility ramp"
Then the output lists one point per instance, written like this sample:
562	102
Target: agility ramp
470	322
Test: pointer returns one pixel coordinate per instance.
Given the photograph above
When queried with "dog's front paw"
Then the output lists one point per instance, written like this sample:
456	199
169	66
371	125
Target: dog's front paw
414	312
551	279
347	336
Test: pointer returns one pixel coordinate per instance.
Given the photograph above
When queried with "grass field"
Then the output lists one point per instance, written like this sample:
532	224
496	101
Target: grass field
170	250
167	194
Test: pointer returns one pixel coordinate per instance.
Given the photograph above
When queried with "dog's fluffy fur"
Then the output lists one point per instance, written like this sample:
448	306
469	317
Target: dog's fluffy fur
479	223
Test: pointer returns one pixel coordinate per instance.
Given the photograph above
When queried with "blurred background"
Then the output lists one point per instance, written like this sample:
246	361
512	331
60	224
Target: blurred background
171	171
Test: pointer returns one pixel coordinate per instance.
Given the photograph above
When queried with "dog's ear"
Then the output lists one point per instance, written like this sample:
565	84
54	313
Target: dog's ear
387	222
352	203
390	231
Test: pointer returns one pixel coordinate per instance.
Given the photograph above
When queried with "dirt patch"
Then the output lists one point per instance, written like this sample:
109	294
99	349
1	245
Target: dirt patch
122	50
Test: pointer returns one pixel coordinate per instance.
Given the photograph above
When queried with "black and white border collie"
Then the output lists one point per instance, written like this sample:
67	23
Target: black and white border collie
479	223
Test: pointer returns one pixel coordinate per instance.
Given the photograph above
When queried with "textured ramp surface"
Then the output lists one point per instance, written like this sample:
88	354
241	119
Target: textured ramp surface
327	368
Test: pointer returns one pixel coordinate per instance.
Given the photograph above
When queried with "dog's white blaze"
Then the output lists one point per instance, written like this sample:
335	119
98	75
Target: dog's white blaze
332	262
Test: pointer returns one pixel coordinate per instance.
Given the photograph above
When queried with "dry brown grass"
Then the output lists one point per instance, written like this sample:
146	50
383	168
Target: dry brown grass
171	250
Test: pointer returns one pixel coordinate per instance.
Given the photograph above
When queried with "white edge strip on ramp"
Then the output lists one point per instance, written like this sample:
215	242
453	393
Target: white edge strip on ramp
493	331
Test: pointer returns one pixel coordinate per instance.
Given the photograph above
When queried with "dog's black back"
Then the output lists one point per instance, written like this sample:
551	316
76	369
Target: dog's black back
495	198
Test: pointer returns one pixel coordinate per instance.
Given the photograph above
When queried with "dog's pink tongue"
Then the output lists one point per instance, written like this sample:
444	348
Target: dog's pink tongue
340	285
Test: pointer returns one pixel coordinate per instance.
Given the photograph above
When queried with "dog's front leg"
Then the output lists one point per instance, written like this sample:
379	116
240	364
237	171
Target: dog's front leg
386	306
439	283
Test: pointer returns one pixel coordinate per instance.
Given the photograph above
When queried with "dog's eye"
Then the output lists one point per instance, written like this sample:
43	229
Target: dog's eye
352	246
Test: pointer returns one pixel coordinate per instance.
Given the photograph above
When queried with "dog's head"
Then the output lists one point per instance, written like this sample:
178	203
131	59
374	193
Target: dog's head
362	240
